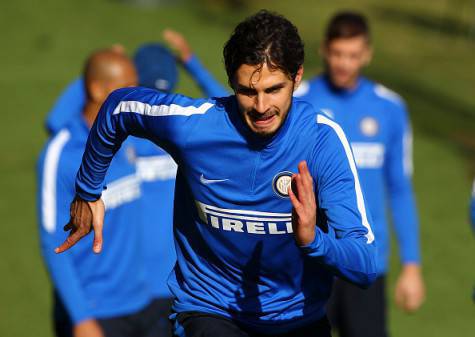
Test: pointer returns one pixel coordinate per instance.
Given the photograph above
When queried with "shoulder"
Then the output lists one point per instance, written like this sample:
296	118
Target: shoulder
306	87
151	102
318	125
386	95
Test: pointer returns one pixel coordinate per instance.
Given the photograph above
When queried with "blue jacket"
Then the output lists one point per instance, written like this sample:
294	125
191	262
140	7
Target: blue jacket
91	286
376	123
236	253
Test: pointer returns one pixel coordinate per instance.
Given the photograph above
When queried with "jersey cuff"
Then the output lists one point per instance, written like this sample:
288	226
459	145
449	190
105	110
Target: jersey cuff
317	247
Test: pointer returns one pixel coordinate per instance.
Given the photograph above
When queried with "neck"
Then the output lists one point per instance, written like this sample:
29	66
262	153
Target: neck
349	86
91	109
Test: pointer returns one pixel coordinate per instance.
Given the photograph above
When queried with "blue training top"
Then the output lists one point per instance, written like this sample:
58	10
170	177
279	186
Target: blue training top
89	285
376	123
236	253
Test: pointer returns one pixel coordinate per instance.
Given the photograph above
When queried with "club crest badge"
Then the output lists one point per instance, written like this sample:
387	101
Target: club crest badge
369	126
281	184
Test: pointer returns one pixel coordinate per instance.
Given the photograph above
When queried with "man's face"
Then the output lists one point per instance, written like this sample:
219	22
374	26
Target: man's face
264	96
345	58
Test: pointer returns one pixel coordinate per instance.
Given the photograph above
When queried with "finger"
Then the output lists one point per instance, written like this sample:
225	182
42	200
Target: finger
297	205
97	244
399	298
69	242
68	226
305	173
301	188
98	224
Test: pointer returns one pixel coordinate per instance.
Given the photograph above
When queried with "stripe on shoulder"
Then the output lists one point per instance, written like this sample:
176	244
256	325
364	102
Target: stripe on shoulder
321	119
386	93
162	109
48	190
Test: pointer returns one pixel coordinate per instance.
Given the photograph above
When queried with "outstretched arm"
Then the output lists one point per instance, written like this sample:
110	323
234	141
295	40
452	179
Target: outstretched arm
163	118
205	80
410	290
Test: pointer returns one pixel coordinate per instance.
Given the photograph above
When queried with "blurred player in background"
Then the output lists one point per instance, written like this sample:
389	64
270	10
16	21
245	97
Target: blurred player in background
96	295
253	256
376	122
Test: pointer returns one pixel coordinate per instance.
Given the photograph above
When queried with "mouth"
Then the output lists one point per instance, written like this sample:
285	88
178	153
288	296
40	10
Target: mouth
262	120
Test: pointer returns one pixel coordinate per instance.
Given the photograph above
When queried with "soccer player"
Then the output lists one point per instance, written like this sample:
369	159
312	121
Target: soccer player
107	294
376	122
255	257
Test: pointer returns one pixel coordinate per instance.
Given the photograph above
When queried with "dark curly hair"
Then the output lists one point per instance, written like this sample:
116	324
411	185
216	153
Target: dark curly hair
264	38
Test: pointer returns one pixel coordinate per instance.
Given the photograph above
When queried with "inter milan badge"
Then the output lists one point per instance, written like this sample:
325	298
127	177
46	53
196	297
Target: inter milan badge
281	184
369	126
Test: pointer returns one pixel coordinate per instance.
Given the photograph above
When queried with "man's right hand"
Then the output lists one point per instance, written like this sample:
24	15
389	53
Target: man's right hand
88	328
178	42
85	215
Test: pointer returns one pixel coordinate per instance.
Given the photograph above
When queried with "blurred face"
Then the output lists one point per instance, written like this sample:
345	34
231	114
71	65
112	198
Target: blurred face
345	59
264	97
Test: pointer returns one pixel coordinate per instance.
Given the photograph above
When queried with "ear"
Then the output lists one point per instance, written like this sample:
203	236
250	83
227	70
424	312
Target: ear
298	77
96	91
368	55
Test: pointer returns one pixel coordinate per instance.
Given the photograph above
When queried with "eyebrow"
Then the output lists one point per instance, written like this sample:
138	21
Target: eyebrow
275	86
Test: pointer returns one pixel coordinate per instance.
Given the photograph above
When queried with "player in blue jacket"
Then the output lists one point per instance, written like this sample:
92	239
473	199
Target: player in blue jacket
376	122
107	294
255	257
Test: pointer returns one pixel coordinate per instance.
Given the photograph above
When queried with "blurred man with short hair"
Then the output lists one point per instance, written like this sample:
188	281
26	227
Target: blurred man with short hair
103	295
377	124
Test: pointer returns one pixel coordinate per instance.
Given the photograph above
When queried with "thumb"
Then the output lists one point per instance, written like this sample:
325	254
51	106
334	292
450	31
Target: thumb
98	224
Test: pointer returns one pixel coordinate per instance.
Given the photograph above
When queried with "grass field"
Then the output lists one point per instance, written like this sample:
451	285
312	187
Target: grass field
424	50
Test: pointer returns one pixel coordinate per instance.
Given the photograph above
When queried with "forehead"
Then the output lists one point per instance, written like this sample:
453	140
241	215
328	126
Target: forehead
357	43
257	76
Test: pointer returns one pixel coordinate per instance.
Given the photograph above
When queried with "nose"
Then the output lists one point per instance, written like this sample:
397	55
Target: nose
261	104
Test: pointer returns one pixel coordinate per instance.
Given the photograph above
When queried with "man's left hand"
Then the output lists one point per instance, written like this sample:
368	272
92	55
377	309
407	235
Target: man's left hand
410	290
304	212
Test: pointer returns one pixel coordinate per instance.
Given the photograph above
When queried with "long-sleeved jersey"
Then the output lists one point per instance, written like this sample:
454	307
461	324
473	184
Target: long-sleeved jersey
236	253
90	285
376	123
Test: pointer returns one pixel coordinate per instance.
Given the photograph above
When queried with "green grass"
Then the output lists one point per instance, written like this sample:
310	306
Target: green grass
422	49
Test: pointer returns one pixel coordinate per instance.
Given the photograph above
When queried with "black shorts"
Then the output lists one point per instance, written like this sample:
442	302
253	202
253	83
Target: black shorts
151	321
357	312
196	324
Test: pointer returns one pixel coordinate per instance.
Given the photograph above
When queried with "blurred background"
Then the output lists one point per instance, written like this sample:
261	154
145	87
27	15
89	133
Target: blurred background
424	50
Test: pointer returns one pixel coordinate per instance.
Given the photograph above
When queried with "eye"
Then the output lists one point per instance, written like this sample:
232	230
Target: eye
273	90
246	91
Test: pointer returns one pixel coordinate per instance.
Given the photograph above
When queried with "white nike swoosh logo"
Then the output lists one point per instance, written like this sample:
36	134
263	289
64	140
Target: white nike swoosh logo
205	181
